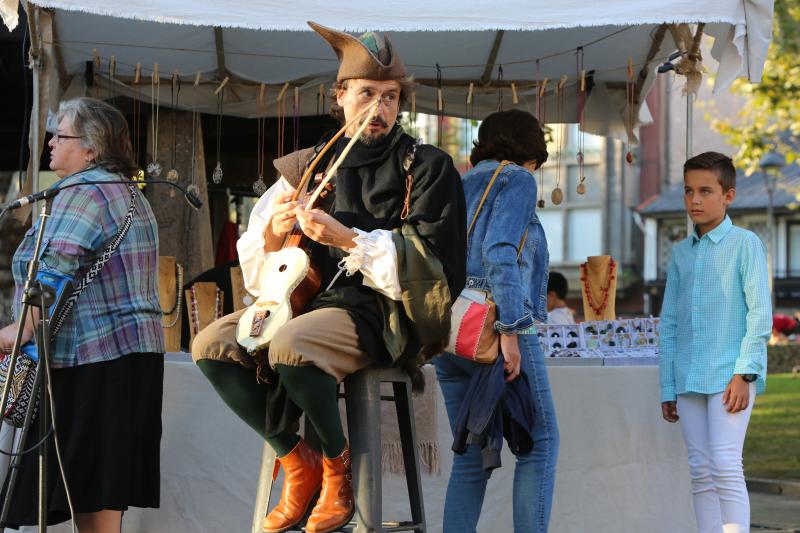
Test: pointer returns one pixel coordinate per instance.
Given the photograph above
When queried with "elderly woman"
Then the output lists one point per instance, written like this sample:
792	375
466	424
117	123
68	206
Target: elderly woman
107	359
510	145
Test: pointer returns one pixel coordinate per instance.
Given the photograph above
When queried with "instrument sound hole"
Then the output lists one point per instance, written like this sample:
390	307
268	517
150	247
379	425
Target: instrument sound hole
281	268
267	313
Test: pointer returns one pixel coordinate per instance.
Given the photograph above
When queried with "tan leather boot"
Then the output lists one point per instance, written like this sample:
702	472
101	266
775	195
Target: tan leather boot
336	505
302	469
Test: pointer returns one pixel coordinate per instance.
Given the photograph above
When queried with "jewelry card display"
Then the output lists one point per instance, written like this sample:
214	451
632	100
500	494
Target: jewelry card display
634	337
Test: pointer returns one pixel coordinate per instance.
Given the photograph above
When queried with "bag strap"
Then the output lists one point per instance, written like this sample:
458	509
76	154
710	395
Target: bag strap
485	195
408	162
483	199
98	264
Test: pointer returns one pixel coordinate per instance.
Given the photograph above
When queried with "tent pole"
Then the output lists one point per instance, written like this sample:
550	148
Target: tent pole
36	67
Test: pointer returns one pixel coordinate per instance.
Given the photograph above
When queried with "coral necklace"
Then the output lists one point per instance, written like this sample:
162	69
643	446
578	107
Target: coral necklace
611	275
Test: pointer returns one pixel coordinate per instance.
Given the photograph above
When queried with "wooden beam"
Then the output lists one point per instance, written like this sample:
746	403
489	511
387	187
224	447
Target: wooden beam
222	70
63	76
487	71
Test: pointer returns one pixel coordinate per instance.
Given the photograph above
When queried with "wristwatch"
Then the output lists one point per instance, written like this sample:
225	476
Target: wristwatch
749	378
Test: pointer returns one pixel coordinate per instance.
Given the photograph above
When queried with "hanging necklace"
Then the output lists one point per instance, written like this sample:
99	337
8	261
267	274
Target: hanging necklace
216	176
439	107
296	119
259	186
557	196
280	103
154	168
542	101
581	98
598	308
175	92
321	100
414	113
468	113
193	188
137	126
178	298
629	99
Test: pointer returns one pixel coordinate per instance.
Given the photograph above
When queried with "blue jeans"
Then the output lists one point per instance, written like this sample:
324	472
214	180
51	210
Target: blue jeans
535	471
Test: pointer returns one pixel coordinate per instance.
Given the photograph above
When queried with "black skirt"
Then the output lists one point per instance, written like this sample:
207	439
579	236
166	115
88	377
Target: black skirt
108	417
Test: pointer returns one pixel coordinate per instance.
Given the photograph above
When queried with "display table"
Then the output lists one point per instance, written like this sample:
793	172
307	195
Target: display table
621	468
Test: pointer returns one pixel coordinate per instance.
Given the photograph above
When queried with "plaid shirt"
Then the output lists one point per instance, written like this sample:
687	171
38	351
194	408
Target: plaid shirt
717	316
119	312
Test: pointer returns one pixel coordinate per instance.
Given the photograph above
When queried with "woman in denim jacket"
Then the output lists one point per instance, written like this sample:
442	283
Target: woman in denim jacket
518	286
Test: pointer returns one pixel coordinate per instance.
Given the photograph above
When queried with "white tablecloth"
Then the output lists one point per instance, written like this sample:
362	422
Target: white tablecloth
621	468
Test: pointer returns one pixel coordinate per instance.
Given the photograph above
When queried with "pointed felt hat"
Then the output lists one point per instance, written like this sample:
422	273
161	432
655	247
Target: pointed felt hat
370	56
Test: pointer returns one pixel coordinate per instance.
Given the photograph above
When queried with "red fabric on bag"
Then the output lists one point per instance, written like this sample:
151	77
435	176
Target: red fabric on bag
470	332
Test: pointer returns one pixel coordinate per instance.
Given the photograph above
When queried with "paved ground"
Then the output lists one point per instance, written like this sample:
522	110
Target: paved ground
773	513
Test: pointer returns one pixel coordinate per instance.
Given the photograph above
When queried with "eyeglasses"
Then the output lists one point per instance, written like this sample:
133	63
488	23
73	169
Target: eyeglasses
368	95
59	136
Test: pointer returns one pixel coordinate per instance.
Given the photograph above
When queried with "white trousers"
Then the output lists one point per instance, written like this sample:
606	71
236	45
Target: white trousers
714	439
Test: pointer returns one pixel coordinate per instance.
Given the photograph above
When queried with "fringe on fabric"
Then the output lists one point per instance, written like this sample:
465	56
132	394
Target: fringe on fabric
392	458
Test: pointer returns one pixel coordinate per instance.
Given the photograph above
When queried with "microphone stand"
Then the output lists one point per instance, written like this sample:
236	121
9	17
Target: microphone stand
39	295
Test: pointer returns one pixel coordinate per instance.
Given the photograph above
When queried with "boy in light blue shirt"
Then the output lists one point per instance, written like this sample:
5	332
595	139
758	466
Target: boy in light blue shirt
715	322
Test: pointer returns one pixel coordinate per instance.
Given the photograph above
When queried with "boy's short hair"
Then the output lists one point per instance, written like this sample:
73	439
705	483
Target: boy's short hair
719	163
557	283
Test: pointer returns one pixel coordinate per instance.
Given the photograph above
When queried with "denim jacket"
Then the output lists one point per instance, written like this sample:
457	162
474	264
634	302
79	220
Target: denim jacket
518	286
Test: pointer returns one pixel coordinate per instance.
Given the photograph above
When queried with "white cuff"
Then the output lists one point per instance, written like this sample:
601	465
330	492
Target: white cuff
376	257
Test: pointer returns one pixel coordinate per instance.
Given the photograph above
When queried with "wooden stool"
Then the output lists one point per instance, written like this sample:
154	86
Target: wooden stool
362	394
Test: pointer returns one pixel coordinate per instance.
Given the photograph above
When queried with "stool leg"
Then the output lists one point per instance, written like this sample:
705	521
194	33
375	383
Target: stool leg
264	491
363	402
408	438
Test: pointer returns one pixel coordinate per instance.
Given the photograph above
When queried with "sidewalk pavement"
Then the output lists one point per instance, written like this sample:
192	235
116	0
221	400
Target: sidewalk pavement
774	513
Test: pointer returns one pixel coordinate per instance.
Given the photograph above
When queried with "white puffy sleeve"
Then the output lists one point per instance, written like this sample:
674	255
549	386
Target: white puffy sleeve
376	257
250	245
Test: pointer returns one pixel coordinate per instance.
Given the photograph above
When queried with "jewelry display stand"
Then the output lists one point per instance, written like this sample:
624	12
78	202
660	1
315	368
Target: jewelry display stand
170	295
241	298
204	301
599	287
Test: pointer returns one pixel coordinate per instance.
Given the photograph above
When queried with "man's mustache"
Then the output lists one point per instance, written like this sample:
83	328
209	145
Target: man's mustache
380	121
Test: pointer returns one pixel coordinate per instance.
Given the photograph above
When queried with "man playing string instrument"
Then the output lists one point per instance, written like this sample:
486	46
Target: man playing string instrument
394	223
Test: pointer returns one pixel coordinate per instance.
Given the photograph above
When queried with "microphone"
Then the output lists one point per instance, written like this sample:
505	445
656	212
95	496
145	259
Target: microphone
31	198
191	198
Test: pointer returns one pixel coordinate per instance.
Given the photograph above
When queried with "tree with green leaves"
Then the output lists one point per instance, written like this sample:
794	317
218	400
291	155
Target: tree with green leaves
770	120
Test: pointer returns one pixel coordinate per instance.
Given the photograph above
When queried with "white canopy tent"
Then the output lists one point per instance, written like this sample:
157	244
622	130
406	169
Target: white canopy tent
456	50
269	42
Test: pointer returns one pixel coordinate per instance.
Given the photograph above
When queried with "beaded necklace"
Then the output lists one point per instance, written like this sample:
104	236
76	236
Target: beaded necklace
196	312
611	275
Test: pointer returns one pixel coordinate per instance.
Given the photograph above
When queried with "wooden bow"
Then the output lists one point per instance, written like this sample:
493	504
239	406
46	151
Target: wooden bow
307	174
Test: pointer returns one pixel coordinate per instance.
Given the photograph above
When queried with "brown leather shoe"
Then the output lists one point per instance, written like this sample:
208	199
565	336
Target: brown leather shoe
302	469
335	506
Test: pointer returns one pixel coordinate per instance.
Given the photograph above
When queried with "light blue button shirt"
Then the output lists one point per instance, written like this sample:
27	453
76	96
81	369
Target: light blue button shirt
717	313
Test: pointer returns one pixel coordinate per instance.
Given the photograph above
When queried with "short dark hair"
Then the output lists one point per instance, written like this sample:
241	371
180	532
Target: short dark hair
557	283
719	163
512	135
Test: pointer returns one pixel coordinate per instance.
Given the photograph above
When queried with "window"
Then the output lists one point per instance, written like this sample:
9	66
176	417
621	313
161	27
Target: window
585	234
554	230
793	238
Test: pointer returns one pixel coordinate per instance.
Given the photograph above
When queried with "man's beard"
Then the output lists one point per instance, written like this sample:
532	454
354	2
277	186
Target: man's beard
373	139
370	139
